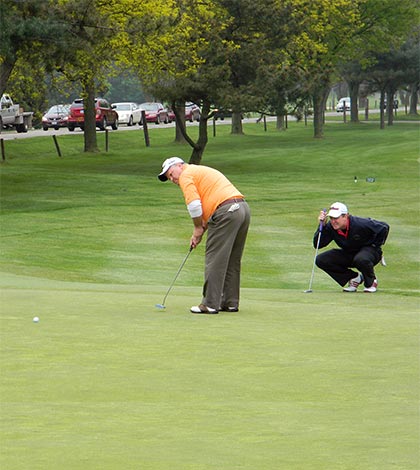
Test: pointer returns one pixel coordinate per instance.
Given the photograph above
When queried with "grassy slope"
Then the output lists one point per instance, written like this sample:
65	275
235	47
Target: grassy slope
91	243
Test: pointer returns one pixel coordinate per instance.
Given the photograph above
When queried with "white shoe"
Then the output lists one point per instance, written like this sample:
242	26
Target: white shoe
372	288
203	309
354	284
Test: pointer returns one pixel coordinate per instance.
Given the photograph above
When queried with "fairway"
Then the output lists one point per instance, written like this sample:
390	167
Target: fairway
105	380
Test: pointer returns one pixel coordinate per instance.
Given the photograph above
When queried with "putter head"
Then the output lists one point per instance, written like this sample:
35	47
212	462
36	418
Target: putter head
308	291
160	306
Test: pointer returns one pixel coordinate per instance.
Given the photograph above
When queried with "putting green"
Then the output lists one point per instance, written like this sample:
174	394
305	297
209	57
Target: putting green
294	380
105	380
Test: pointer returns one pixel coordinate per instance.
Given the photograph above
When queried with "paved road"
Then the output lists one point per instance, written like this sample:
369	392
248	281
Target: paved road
12	134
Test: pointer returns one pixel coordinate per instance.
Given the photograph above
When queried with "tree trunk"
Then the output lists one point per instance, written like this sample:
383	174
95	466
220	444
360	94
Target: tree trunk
414	88
179	136
320	97
281	122
390	106
354	101
91	144
381	107
237	123
199	146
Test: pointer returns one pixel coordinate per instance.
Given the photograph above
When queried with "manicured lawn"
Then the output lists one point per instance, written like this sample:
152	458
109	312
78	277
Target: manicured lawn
90	243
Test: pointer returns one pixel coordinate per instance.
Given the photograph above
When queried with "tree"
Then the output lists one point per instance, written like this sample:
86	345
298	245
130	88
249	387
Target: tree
27	86
259	31
354	75
342	31
125	85
178	49
222	62
92	40
25	27
411	53
389	71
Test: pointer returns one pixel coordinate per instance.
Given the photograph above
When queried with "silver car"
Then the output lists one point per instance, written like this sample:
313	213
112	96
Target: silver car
128	113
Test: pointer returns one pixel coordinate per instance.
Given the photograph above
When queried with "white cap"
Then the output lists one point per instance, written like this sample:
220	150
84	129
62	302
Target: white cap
166	165
337	209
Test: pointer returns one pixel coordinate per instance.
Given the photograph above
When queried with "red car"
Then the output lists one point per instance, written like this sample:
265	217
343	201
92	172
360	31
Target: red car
171	115
56	117
155	112
192	112
105	115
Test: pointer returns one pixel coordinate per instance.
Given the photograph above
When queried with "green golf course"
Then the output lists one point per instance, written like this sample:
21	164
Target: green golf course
90	244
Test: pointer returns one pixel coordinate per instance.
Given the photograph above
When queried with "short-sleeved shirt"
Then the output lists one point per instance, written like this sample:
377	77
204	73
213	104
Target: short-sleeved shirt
208	185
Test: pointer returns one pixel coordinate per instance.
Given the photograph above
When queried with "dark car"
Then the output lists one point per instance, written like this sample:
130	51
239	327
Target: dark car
222	114
192	112
56	117
155	112
395	104
105	115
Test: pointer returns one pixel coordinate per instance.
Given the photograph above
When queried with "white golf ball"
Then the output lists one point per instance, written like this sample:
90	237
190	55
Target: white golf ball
35	320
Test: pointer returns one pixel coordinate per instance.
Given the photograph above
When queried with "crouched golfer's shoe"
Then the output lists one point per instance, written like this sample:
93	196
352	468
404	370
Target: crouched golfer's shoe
354	284
229	309
203	309
372	288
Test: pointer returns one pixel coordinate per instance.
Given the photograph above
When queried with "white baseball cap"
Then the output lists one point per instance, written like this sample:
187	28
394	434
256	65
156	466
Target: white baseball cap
166	165
337	209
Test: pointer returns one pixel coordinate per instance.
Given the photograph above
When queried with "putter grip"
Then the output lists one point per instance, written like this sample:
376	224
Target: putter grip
321	225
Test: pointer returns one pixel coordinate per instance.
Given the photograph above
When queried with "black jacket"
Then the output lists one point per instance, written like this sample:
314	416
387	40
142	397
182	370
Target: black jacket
362	232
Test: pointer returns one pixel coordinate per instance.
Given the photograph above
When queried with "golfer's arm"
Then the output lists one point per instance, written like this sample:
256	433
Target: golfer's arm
199	228
325	238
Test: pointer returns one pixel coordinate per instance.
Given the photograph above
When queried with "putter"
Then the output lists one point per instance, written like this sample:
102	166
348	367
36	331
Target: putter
162	305
309	290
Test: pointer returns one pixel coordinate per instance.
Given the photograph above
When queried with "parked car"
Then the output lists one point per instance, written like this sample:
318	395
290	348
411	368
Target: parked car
105	115
340	104
155	112
395	104
222	113
171	115
128	113
56	117
192	112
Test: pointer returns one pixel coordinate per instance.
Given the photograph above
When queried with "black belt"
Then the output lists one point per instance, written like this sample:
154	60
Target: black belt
230	201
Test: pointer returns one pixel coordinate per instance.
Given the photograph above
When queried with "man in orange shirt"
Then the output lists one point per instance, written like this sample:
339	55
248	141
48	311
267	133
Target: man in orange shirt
217	206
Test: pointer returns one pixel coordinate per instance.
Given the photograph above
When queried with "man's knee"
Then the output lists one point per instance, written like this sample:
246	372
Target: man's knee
363	260
321	261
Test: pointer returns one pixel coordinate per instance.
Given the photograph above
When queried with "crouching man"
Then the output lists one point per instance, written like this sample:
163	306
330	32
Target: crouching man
360	243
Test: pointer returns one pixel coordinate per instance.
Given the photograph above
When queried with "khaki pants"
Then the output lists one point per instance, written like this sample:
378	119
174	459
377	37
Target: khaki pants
227	231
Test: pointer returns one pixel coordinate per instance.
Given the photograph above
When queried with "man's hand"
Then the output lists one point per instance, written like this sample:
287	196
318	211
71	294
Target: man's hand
322	217
198	231
197	236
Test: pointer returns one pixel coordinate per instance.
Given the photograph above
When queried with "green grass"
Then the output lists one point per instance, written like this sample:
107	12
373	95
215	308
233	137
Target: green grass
374	118
90	243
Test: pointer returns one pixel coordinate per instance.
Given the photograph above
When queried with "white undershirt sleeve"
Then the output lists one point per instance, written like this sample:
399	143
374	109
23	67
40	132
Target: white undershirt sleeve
195	209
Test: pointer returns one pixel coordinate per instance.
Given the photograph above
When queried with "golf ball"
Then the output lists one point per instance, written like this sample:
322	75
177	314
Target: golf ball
35	320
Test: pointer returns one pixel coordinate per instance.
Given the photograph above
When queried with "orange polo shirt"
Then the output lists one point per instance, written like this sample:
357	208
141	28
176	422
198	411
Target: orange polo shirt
208	185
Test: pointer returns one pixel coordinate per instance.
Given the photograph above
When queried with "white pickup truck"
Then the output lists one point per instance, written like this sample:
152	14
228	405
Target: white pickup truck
12	115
